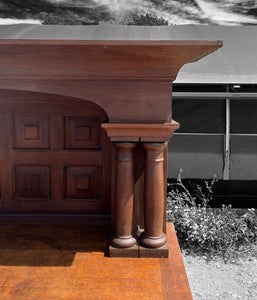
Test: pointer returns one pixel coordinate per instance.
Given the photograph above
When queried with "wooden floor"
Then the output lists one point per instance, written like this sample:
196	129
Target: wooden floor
70	262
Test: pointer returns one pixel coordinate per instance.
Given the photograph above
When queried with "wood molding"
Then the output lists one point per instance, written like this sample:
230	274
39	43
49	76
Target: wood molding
121	132
128	59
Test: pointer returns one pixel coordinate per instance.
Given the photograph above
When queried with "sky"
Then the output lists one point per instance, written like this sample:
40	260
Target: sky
210	12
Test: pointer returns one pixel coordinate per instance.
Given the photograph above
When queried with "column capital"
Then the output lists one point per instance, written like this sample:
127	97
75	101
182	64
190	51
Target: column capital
140	132
124	151
154	151
155	146
124	145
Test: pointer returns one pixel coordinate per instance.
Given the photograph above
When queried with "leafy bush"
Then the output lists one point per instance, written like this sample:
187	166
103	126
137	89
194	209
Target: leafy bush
202	229
148	20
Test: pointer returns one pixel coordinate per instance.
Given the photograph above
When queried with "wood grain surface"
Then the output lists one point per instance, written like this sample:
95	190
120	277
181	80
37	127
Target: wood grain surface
69	262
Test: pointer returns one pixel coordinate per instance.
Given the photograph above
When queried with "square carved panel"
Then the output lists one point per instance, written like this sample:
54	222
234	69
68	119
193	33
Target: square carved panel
30	132
31	182
83	182
82	133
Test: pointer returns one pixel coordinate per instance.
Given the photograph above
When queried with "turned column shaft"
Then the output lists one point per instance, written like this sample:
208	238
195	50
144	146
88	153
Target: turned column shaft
124	196
153	235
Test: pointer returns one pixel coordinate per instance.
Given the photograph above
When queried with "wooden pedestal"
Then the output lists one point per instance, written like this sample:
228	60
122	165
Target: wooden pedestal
70	262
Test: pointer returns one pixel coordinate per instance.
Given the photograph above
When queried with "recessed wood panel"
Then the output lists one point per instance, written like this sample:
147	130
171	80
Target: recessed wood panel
30	131
38	173
82	132
83	182
31	182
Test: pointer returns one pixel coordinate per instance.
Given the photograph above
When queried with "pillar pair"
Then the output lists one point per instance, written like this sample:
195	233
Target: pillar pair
153	235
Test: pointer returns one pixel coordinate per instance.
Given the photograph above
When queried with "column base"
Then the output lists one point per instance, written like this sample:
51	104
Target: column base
139	252
153	242
123	241
124	252
161	252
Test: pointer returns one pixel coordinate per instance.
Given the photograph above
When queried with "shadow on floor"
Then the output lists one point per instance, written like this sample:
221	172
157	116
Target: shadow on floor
49	245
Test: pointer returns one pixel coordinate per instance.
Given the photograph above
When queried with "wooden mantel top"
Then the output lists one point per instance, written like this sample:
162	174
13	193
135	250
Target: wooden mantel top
89	55
108	65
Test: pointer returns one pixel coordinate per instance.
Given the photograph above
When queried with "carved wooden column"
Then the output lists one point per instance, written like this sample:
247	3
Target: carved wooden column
124	196
153	235
125	137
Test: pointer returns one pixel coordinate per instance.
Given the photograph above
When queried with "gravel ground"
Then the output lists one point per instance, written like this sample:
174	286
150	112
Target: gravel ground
216	280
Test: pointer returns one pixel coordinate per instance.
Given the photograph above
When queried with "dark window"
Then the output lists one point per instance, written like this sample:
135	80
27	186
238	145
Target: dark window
243	116
199	116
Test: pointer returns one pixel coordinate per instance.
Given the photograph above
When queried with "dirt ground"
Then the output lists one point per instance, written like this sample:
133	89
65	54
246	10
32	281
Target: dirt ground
217	280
